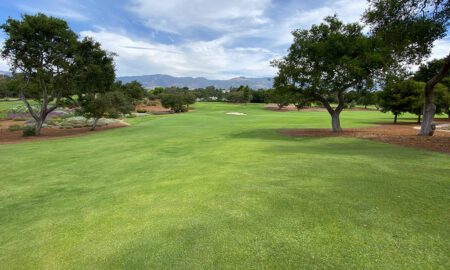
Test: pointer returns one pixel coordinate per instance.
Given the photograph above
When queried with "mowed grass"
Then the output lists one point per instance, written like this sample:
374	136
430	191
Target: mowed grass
206	190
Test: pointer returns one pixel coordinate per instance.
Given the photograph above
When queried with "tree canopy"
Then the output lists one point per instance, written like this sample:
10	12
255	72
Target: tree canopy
408	29
329	59
42	49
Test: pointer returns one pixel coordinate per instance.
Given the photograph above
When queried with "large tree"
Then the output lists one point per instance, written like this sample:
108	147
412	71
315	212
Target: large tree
42	49
328	60
408	29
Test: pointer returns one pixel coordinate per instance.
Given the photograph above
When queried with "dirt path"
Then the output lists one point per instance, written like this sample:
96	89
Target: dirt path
54	133
402	134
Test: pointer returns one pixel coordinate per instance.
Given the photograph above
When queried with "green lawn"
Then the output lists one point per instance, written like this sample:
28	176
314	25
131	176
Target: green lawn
205	190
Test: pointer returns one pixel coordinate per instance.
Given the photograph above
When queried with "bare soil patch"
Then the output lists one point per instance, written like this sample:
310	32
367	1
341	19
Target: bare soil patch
402	134
53	133
274	107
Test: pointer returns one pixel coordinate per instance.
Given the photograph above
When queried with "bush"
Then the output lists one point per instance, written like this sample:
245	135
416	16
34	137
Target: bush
18	119
131	116
28	131
154	104
14	127
141	110
67	115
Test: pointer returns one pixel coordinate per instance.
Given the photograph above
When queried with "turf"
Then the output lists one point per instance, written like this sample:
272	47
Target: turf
205	190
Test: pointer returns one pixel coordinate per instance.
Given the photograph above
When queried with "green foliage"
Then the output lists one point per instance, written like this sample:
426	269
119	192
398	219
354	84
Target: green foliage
327	60
408	28
28	131
134	90
400	96
245	93
113	104
93	69
141	110
4	89
280	96
177	99
258	96
442	99
14	127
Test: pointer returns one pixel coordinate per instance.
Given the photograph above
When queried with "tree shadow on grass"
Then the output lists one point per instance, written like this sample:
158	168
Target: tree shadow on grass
339	146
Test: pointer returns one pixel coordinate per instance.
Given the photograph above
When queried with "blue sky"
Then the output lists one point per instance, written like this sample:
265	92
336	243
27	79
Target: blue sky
214	39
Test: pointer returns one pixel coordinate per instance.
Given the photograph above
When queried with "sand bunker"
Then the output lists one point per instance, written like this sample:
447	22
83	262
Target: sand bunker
236	113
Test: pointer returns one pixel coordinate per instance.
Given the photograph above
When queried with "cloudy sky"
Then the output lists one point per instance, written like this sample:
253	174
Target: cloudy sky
216	39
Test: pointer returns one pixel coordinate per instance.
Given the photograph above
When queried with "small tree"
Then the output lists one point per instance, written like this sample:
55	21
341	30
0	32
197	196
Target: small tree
281	96
112	104
42	49
177	99
366	98
235	96
400	96
442	99
4	89
133	90
246	94
301	101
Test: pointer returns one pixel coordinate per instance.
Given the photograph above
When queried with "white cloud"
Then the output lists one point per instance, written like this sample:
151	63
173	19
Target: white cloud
195	58
174	16
348	11
441	48
64	9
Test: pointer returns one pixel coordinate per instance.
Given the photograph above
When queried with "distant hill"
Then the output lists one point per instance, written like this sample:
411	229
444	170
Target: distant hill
7	73
161	80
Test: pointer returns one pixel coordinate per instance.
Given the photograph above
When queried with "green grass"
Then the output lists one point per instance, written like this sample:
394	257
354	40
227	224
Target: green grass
205	190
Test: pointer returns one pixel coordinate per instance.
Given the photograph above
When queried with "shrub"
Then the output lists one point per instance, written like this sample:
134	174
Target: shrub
18	119
67	115
28	131
352	104
131	116
141	110
154	104
14	127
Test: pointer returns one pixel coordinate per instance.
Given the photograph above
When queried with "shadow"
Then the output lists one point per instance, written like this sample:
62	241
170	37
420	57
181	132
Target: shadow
265	134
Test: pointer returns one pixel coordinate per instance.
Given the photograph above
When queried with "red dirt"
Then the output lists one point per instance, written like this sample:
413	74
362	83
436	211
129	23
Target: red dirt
53	133
400	134
151	108
274	107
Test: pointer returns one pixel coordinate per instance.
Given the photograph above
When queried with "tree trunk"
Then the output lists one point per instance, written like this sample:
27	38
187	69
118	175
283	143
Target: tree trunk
335	122
38	126
94	125
429	109
395	118
418	119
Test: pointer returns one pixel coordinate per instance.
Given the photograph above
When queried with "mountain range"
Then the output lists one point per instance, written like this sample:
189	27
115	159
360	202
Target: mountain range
162	80
7	73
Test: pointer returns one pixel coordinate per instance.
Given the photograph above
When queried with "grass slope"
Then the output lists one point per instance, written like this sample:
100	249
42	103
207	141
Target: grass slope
208	190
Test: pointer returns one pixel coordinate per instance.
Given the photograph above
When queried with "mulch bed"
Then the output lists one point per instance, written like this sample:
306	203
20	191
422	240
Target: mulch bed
53	133
402	134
